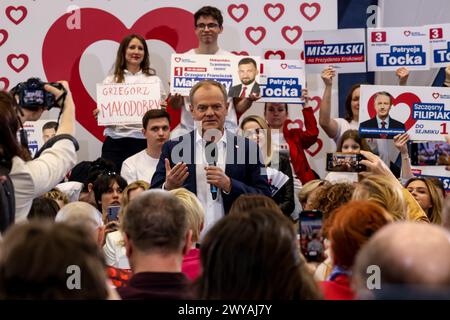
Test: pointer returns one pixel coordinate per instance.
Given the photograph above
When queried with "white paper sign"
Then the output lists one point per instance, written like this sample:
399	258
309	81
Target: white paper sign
391	48
276	179
121	103
344	49
232	71
424	112
439	35
282	81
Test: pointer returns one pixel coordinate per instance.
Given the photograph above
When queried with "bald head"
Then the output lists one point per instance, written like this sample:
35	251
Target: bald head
407	253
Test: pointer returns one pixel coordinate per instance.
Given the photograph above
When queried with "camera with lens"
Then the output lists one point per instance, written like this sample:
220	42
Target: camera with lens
32	94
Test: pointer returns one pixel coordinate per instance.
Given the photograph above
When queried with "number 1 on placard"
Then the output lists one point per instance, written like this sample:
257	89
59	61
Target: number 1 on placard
444	128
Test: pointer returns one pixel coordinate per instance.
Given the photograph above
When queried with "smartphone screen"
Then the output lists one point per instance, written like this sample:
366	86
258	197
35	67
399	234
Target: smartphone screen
112	213
344	162
431	153
311	239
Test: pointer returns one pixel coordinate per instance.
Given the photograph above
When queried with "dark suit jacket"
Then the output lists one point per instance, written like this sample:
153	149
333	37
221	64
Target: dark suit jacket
246	175
235	91
285	196
373	124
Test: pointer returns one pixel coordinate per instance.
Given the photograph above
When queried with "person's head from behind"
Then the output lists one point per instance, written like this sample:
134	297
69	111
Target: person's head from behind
383	104
194	211
246	202
276	114
247	70
382	191
412	258
43	208
156	127
82	213
352	103
255	128
132	53
60	197
428	196
9	145
155	224
351	142
208	23
253	256
209	105
49	130
108	189
50	261
306	191
351	226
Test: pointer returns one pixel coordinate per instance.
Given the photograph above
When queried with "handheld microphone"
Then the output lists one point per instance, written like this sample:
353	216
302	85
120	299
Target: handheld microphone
211	158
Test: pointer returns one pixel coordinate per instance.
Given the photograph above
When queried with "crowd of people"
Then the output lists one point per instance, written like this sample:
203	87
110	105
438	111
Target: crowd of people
213	209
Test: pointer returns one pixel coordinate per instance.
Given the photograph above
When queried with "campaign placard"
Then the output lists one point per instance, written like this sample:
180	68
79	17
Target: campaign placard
282	81
438	172
423	112
123	103
344	49
35	134
391	48
238	74
439	35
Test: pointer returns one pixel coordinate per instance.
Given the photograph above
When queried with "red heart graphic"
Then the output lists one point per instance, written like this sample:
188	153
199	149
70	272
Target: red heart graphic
318	144
296	124
408	97
249	33
281	55
4	37
436	95
233	11
164	24
11	10
289	37
318	100
308	15
240	53
13	59
283	66
407	33
269	8
5	85
302	55
177	59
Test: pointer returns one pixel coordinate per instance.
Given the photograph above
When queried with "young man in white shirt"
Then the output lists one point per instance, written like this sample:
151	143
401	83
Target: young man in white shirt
208	27
142	165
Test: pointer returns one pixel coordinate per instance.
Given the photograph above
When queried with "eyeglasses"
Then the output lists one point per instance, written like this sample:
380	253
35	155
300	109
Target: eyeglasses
203	26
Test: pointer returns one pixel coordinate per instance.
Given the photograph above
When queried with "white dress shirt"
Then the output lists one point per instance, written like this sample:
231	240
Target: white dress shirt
214	209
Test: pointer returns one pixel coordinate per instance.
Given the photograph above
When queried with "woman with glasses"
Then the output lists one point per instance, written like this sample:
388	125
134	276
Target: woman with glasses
279	170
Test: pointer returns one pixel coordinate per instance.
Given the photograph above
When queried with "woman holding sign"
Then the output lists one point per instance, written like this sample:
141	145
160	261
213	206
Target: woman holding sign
132	66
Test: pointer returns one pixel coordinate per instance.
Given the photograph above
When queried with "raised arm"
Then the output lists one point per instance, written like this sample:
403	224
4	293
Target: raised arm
328	124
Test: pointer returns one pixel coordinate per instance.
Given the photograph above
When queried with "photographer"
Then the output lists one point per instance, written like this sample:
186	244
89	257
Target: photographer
35	177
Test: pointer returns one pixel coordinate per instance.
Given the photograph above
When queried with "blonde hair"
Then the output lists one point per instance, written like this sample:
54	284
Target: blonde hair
194	211
437	200
268	132
57	194
382	191
126	194
307	188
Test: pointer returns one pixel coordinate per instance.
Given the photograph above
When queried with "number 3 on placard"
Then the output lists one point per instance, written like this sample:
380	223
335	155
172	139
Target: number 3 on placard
444	128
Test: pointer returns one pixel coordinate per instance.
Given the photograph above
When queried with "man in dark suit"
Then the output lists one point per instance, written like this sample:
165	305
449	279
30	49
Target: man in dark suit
382	121
234	168
248	70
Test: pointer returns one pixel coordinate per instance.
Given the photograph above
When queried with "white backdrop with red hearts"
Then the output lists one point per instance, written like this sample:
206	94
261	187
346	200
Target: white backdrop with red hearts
36	41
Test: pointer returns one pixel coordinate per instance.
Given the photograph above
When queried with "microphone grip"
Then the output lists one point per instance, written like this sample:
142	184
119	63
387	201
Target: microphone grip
213	188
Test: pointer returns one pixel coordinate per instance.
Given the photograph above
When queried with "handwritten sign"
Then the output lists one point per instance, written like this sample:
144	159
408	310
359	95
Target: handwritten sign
423	112
282	81
121	103
391	48
344	49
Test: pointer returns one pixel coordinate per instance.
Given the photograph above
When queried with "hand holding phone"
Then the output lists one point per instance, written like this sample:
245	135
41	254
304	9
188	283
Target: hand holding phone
345	162
112	213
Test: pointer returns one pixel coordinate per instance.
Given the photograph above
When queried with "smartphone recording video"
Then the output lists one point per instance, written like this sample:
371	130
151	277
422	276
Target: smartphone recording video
344	162
311	240
112	213
432	153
